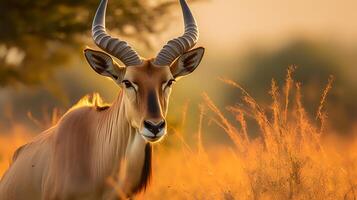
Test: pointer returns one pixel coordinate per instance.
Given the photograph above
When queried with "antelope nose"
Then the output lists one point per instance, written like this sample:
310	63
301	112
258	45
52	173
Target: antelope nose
154	128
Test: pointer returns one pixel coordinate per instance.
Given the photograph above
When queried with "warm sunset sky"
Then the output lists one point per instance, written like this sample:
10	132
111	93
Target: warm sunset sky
239	21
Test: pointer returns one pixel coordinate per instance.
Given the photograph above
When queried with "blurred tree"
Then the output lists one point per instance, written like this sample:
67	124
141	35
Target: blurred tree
315	61
39	36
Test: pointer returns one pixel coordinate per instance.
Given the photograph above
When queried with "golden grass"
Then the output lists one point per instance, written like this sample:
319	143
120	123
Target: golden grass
294	156
9	142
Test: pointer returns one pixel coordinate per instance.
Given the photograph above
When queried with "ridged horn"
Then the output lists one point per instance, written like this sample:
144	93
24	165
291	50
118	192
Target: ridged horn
176	47
114	46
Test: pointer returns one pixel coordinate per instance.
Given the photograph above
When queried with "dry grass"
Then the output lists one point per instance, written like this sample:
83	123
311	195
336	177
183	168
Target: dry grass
9	142
294	157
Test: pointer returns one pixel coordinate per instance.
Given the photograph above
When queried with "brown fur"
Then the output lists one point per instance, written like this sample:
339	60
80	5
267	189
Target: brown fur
75	158
59	163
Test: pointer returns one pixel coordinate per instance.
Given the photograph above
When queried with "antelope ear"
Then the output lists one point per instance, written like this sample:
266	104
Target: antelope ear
104	65
187	63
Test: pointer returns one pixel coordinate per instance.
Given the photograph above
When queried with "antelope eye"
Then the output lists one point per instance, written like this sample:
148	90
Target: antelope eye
170	82
127	84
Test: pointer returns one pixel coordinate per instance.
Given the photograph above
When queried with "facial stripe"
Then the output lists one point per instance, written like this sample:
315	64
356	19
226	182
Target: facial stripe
153	104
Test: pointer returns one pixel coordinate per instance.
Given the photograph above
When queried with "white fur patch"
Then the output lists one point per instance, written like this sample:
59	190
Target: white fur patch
148	135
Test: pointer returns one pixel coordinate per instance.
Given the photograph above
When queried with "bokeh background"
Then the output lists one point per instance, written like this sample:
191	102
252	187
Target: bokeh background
43	70
221	143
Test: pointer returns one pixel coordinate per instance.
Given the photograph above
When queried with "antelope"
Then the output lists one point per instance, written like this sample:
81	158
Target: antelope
74	158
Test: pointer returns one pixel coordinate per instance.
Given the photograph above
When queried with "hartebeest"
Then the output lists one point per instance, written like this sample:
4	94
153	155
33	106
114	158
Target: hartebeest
73	159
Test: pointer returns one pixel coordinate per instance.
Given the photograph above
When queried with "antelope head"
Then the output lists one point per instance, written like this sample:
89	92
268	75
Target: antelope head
146	83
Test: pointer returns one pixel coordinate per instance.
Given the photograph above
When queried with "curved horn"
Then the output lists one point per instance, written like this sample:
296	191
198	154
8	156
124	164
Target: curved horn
114	46
176	47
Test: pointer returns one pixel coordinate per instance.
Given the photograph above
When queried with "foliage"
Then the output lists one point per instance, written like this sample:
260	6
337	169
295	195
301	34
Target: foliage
39	36
314	60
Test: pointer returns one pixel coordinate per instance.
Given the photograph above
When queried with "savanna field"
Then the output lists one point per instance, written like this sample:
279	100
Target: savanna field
293	155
